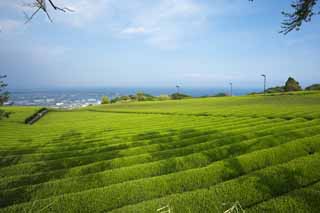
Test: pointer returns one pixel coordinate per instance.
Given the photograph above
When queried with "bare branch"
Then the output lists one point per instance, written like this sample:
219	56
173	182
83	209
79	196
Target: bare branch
65	9
31	17
41	5
55	7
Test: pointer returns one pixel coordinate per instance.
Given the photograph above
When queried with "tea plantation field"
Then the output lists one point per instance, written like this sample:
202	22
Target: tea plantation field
195	155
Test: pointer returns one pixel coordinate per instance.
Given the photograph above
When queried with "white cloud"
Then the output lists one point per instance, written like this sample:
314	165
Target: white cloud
161	23
193	75
165	23
205	76
9	25
134	30
86	12
10	4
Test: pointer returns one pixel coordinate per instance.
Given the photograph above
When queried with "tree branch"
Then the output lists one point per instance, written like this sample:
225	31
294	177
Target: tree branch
41	5
303	12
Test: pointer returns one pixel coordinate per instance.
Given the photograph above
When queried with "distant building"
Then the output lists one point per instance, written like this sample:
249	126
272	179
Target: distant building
9	103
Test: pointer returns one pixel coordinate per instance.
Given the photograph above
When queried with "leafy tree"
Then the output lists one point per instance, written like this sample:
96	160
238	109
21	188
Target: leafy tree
105	100
313	87
220	94
275	89
292	85
178	96
4	114
121	99
132	97
4	96
141	96
164	97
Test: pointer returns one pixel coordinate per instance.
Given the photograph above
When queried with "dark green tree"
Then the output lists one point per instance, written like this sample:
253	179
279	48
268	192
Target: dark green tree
303	11
178	96
292	85
140	96
275	89
313	87
105	100
4	96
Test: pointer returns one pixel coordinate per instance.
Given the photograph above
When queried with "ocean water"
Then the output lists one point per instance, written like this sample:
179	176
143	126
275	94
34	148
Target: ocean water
73	98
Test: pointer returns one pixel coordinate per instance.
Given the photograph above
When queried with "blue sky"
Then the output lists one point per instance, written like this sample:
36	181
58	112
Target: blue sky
127	43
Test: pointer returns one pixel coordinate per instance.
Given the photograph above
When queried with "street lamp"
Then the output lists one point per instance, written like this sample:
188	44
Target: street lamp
178	89
264	83
231	89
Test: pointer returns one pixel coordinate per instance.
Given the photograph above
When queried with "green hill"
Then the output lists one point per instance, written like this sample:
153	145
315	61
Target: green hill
192	155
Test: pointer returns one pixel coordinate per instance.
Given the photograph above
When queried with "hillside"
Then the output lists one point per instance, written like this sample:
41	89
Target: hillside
193	155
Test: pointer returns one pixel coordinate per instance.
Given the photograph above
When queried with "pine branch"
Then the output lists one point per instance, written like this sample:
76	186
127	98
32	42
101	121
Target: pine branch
41	5
303	12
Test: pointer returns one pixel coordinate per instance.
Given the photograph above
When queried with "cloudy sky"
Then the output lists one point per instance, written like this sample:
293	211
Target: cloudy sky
196	43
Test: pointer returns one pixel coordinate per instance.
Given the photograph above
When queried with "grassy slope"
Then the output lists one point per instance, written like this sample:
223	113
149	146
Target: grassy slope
193	154
301	104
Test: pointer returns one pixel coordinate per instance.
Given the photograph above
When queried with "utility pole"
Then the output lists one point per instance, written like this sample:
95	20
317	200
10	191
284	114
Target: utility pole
264	83
231	89
178	89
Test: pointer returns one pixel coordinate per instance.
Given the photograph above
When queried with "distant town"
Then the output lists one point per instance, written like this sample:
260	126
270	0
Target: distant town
81	98
68	100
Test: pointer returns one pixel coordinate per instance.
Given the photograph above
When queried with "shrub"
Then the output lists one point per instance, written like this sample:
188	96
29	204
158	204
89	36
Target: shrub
221	94
105	100
275	89
164	97
121	99
4	114
249	190
140	96
4	96
253	187
313	87
178	96
36	116
292	85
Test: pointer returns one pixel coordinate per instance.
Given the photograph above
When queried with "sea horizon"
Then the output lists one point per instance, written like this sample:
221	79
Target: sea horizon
81	97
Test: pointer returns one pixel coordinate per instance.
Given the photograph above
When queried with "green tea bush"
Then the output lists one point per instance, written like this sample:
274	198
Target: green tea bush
197	178
247	190
195	155
305	199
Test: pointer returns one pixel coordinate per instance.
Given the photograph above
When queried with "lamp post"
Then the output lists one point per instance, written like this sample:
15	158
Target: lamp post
178	89
231	89
264	83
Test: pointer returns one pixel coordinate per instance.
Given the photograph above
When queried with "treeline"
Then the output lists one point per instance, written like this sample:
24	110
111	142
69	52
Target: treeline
4	96
141	96
292	85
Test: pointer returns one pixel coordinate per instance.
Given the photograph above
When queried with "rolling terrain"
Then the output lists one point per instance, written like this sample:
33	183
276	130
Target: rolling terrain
194	155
